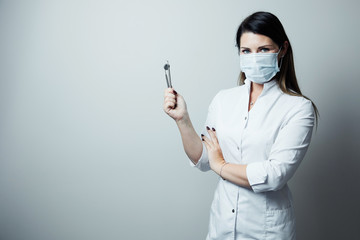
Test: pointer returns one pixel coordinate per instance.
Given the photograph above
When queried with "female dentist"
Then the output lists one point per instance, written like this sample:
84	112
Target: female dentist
254	138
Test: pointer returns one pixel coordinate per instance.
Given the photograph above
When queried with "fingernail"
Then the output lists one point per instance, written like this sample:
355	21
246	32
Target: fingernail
207	128
213	129
202	139
202	135
175	92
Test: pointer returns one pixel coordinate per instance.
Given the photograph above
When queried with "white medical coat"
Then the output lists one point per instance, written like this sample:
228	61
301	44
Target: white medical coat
272	139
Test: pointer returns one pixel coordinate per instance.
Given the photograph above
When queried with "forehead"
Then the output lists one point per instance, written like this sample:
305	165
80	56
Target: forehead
253	40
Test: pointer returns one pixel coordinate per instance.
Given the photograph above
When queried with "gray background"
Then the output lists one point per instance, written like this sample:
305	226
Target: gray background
86	151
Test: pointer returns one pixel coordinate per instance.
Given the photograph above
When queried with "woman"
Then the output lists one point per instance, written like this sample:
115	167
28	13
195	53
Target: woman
256	136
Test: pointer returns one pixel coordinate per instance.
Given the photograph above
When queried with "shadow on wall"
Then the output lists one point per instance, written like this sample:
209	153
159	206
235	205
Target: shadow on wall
327	191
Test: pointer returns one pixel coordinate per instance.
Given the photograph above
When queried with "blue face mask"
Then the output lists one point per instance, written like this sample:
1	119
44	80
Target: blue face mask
259	67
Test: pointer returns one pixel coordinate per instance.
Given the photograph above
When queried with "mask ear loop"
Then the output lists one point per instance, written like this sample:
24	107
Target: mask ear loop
281	58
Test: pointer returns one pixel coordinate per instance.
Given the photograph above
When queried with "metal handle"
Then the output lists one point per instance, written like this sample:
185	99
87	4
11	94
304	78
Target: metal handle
167	74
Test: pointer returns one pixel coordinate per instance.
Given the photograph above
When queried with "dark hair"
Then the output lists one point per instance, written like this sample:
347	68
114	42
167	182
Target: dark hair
263	23
268	24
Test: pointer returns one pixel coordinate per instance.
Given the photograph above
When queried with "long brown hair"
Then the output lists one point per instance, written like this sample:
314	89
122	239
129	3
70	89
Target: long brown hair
268	24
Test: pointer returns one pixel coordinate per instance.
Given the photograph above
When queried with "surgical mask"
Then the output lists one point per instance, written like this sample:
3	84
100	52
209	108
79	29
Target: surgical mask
260	67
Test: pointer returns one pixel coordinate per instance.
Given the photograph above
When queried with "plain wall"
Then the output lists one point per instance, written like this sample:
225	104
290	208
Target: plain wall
86	151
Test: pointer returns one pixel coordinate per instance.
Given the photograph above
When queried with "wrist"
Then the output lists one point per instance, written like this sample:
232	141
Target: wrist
184	120
217	168
221	170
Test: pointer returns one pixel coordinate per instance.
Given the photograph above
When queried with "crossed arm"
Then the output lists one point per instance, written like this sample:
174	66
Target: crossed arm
235	173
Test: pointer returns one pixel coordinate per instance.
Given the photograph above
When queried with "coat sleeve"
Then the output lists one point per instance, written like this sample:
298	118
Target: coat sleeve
203	163
286	153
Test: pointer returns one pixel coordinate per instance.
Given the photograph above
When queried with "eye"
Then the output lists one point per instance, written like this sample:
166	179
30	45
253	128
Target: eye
264	50
245	51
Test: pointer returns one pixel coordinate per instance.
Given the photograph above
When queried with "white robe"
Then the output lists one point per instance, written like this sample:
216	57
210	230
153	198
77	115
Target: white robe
272	139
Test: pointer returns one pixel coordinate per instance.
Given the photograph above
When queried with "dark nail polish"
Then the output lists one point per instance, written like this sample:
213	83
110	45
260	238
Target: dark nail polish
207	128
175	92
202	135
202	139
213	129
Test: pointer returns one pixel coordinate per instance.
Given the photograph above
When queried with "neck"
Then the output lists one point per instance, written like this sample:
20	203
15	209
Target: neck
256	88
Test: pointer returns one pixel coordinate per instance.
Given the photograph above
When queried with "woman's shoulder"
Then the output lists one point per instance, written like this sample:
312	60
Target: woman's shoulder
297	105
295	100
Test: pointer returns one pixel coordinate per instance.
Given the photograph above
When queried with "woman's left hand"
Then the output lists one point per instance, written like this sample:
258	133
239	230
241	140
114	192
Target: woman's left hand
216	158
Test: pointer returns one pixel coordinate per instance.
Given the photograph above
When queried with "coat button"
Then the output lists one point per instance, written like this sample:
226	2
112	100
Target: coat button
245	118
233	210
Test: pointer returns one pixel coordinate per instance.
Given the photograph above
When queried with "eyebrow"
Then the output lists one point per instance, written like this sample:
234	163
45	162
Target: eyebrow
268	45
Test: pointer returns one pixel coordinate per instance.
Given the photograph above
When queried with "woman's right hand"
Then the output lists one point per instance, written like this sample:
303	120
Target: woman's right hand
174	105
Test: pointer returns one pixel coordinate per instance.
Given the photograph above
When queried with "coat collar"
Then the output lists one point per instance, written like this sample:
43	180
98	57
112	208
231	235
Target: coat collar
267	86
